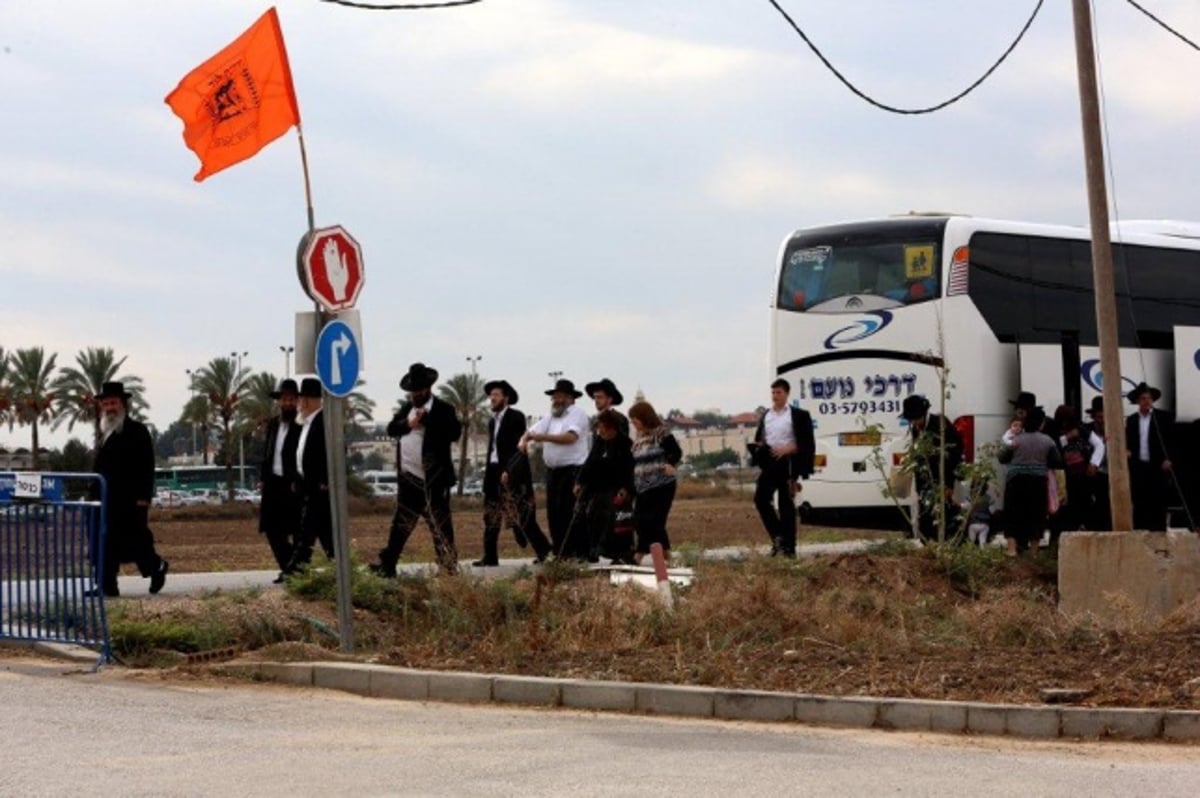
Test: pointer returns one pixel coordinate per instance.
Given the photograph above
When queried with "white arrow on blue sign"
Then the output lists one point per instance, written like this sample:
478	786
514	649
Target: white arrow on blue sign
338	358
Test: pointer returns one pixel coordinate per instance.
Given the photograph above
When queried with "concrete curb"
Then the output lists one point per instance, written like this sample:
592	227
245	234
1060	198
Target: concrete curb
899	714
65	651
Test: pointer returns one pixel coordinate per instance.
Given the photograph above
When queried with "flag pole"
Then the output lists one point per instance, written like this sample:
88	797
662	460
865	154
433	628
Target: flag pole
308	203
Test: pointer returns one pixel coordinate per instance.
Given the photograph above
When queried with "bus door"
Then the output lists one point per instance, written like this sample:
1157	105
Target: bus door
1042	374
1187	373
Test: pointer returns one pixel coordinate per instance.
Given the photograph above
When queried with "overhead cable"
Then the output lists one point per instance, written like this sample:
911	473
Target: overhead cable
401	7
891	108
1165	26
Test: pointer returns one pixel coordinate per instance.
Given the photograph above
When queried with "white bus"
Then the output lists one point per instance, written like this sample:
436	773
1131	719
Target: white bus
381	483
865	312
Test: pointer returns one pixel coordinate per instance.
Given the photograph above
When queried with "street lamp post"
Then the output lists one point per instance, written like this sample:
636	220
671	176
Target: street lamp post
192	388
554	375
472	407
287	360
241	437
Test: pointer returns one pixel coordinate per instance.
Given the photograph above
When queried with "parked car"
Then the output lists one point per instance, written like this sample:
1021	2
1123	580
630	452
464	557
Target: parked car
248	496
472	487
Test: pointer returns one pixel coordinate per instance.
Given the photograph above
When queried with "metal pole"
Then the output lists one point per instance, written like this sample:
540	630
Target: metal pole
192	390
287	360
1102	268
241	436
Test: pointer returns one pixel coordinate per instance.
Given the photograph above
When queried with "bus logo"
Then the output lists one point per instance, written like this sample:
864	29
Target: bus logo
875	321
1090	369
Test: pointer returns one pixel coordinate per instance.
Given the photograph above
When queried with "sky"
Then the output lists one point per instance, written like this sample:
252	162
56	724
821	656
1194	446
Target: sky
597	187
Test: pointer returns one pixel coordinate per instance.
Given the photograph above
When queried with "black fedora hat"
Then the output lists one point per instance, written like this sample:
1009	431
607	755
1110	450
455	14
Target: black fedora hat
310	387
113	389
606	385
1025	399
1097	406
1142	388
286	386
914	407
419	376
503	385
564	386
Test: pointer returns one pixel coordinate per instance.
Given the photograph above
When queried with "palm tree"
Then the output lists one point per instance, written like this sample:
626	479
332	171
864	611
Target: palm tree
257	406
30	390
224	385
5	404
359	407
76	387
463	392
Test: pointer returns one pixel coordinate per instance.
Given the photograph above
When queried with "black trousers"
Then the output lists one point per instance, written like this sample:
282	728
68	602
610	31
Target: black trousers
416	499
1100	519
316	525
773	487
1148	489
517	506
650	513
128	539
568	534
279	518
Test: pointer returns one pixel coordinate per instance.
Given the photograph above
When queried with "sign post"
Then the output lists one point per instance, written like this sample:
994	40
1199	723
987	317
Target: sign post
331	272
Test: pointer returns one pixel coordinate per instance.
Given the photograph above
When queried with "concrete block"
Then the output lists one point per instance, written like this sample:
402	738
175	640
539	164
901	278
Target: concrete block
1032	721
754	705
1181	725
615	696
1126	724
298	673
66	651
675	700
987	718
855	712
402	684
1123	577
347	676
527	690
460	687
922	715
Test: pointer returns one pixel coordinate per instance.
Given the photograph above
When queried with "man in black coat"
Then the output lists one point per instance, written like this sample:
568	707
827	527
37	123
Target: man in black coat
784	449
1149	434
507	480
126	461
426	427
311	477
279	513
934	464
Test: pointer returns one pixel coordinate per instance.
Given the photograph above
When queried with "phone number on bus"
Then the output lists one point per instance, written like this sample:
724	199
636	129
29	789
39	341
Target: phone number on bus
859	408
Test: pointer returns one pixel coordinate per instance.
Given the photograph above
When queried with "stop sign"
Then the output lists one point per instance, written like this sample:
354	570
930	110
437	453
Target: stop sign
331	268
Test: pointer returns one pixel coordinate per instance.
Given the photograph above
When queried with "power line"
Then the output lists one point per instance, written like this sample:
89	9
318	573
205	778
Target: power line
891	108
1165	26
400	7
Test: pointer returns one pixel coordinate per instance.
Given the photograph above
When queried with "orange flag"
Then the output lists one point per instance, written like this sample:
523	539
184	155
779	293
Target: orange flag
238	101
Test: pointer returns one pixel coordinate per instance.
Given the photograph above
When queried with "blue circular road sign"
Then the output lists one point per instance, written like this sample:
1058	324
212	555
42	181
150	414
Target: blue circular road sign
338	358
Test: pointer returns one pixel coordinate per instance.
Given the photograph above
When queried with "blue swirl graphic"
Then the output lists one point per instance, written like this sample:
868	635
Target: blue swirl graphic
863	328
1090	371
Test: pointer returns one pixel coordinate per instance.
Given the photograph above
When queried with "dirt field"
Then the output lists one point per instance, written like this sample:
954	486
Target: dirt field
227	539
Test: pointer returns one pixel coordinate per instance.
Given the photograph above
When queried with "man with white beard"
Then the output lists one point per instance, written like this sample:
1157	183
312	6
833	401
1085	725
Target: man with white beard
126	461
565	433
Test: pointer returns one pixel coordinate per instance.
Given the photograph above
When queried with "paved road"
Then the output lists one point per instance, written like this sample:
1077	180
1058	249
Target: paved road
71	733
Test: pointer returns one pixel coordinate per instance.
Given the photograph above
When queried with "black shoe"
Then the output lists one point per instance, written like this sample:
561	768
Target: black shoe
279	580
382	570
159	577
96	592
485	563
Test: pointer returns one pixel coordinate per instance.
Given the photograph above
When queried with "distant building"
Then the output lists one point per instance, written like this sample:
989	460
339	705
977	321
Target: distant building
695	438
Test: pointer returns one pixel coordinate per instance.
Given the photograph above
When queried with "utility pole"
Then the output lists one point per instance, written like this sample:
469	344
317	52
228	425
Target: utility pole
471	408
241	437
192	388
1102	271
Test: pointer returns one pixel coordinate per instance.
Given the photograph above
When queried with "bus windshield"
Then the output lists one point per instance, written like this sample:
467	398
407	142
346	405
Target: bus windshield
869	268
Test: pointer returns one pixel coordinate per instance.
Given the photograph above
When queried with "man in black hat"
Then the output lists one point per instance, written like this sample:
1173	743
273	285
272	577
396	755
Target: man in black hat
1149	434
606	397
935	464
1099	516
784	449
507	480
565	435
311	477
126	461
598	509
426	428
279	514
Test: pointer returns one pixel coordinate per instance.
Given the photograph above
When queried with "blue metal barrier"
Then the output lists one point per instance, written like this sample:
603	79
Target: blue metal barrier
52	533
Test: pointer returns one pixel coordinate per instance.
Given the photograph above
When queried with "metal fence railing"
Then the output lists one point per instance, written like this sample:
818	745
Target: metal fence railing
52	534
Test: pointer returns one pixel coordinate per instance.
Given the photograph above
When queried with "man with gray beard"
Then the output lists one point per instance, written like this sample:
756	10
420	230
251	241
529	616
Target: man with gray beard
126	461
565	433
